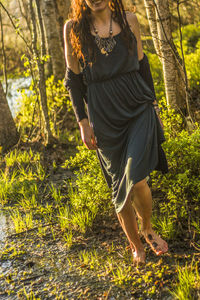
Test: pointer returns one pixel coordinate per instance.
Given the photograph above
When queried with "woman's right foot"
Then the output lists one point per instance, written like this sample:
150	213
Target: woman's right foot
138	257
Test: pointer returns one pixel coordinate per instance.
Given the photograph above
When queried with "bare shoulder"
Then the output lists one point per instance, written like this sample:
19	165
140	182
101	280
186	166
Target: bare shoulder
133	22
135	28
67	29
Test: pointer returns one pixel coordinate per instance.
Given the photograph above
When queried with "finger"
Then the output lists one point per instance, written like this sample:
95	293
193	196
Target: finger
94	141
89	145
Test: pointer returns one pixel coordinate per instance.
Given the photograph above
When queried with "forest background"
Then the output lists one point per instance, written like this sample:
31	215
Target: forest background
61	236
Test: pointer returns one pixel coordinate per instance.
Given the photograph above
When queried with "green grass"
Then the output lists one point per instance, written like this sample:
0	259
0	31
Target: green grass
188	282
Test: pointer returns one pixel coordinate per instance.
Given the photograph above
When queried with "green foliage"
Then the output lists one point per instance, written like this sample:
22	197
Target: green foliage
181	186
59	105
191	36
192	61
157	74
88	192
22	222
164	225
188	283
19	177
89	258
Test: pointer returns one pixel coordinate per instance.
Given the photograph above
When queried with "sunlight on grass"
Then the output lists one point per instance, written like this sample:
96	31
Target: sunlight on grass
21	222
121	275
165	226
188	283
89	258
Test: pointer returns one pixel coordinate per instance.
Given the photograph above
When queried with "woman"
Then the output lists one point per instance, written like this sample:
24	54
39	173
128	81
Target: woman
106	68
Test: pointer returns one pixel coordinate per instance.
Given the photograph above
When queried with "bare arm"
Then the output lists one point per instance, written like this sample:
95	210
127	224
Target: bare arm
71	61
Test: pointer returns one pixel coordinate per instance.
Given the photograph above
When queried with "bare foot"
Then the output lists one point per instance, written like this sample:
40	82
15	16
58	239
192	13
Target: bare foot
158	245
138	257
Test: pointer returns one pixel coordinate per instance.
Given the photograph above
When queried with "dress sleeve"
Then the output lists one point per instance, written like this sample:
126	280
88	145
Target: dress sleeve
77	91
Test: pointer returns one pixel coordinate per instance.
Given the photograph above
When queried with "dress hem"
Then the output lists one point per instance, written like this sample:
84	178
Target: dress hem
118	210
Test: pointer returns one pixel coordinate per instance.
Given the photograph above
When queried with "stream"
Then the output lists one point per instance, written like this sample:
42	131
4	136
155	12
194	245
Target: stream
15	86
5	230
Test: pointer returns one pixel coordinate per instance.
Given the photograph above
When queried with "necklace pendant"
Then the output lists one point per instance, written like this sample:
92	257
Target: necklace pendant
103	51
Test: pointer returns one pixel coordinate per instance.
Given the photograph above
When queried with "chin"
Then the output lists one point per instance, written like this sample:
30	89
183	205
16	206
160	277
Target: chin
97	5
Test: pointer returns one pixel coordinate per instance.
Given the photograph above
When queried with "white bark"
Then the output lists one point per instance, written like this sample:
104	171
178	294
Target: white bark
158	14
54	44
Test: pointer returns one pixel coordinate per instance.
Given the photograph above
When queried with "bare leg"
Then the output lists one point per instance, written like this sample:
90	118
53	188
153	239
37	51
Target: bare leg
143	206
128	222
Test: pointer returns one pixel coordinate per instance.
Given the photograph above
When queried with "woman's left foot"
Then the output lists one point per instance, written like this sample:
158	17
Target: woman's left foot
158	245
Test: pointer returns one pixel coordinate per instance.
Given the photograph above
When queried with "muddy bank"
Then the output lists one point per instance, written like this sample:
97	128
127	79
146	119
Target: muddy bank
98	265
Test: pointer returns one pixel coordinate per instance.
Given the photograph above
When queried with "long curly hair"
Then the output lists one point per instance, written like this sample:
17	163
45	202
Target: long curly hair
80	35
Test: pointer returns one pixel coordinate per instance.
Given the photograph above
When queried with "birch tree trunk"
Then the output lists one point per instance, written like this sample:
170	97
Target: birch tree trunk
54	43
8	132
159	18
40	65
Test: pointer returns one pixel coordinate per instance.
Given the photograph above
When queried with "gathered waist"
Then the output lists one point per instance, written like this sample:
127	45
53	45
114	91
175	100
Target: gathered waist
90	82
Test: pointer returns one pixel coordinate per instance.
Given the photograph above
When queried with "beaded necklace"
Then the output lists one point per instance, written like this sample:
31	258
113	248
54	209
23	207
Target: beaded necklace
107	44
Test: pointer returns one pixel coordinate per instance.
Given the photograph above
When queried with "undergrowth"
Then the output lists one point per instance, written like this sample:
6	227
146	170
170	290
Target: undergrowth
34	201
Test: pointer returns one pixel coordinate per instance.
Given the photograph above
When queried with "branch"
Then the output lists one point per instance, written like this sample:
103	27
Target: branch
15	27
24	14
183	59
41	27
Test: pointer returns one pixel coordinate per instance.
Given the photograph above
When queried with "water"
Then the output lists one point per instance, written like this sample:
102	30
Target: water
15	85
5	227
5	230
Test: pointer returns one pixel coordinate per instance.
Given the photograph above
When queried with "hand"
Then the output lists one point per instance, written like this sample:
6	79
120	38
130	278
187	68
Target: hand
159	118
87	134
157	110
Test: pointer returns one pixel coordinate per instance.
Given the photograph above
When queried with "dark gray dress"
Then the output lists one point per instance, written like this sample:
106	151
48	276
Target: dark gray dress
123	118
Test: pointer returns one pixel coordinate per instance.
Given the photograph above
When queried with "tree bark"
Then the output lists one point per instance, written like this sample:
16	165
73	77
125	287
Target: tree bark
62	11
159	17
54	43
8	132
42	84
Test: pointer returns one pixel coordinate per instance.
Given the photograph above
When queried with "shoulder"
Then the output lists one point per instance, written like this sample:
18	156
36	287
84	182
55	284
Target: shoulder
67	28
68	23
133	22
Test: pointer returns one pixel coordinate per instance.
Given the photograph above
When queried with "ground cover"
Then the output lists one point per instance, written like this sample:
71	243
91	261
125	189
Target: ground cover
52	255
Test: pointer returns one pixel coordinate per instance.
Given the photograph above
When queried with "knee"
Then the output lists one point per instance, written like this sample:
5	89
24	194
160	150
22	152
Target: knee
140	185
127	206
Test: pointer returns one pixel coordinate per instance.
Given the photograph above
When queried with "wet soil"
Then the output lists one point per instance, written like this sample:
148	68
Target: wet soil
44	265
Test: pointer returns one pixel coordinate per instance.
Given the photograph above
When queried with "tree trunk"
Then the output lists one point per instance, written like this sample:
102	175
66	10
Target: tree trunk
159	18
54	43
42	84
8	132
62	11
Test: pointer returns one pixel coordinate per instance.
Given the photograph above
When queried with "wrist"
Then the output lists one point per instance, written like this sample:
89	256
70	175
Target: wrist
155	103
83	123
157	109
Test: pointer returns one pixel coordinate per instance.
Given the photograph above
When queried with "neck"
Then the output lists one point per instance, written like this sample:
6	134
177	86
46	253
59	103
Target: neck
101	17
